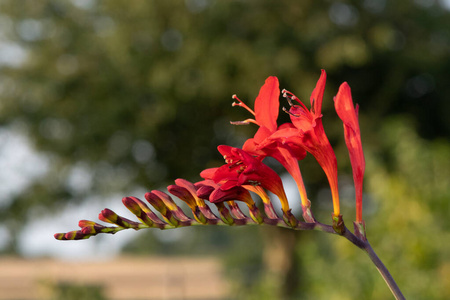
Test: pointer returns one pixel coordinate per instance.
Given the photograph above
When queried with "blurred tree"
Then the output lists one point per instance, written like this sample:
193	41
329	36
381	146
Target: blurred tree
122	95
68	291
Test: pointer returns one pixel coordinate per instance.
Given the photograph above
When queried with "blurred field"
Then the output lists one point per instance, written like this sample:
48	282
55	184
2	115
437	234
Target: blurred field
119	279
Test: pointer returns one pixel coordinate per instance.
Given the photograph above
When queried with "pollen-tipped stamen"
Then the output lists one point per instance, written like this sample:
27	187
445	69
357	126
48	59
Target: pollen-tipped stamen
290	113
241	104
291	97
245	122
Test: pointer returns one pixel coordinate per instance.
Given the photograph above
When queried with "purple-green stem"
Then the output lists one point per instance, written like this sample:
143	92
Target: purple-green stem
337	228
360	243
384	272
363	244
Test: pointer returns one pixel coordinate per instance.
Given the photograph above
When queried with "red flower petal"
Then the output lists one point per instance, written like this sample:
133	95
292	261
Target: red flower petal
267	104
317	95
344	107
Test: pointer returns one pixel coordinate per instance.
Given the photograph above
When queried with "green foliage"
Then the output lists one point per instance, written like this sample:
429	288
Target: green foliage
66	291
137	93
413	207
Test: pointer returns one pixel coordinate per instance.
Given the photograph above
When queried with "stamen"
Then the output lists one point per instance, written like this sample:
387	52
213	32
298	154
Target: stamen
289	101
289	97
288	112
235	165
232	164
229	160
245	122
254	182
241	104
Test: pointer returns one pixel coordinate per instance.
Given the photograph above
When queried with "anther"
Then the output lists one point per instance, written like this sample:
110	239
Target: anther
241	104
288	112
289	101
254	182
289	97
239	123
245	122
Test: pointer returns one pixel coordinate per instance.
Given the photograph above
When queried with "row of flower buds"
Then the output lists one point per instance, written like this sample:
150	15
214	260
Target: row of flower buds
172	216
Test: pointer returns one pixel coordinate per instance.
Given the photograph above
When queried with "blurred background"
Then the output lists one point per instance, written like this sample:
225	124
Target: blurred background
105	99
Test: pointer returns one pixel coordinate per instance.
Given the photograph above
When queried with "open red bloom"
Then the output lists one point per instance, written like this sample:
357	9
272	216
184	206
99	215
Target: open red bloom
284	149
309	128
242	169
349	115
211	191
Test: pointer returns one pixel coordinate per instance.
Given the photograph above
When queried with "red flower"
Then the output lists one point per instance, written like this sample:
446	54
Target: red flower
284	149
208	189
349	115
242	169
211	191
266	106
309	128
